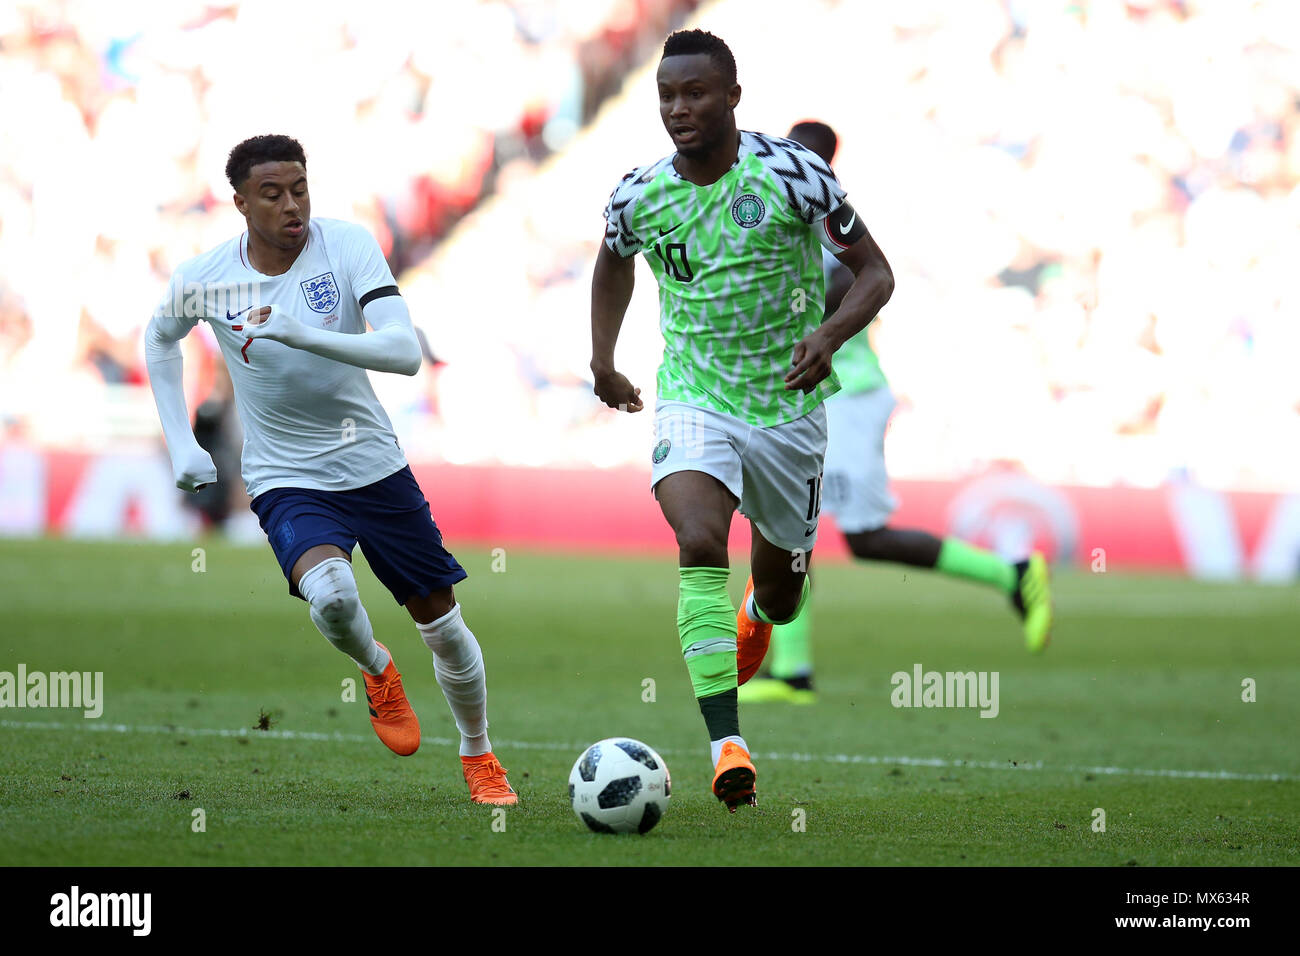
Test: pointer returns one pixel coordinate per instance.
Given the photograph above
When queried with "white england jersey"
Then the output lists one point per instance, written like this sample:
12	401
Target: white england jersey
309	421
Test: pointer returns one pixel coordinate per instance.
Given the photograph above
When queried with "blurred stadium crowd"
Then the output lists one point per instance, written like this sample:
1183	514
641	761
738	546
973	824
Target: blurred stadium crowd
1092	209
120	118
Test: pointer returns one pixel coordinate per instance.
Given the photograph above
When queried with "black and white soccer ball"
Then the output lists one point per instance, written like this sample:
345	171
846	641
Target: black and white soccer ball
619	785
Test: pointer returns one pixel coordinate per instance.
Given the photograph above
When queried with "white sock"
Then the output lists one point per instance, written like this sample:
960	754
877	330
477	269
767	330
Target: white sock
716	746
458	666
336	610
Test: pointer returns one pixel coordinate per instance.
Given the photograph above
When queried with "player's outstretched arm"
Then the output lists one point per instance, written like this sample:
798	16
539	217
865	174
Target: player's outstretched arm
873	284
611	292
192	467
391	347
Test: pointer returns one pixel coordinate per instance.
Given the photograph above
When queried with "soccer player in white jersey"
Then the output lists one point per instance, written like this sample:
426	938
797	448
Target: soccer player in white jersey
288	302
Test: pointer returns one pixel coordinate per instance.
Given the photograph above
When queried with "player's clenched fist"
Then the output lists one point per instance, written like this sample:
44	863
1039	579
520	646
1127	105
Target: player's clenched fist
193	469
811	362
274	323
616	391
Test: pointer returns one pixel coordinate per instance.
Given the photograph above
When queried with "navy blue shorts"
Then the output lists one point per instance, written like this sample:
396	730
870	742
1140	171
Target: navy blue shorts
390	519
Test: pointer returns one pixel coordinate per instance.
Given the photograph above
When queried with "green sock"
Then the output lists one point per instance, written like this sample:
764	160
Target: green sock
962	560
792	646
706	623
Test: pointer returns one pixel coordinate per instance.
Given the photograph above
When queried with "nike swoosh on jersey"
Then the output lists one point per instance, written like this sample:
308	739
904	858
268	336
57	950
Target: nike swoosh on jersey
231	316
664	232
844	230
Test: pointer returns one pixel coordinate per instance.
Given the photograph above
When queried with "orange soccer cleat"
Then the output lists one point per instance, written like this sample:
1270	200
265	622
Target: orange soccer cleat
487	781
733	783
752	638
390	712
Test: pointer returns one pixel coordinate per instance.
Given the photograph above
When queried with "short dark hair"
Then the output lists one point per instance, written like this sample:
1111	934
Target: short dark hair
262	149
688	42
817	136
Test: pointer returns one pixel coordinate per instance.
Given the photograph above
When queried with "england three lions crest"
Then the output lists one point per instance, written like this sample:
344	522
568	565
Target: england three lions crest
321	293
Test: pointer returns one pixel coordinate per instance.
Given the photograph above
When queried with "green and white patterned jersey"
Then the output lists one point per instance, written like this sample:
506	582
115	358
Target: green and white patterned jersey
740	273
856	362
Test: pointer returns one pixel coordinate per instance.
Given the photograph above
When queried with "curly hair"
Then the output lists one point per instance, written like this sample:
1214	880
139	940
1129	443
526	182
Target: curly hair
262	149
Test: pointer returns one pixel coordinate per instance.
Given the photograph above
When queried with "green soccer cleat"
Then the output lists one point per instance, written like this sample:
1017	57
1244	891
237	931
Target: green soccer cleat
770	690
1033	599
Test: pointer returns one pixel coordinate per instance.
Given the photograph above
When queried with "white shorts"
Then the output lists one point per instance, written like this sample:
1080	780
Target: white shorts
774	472
855	487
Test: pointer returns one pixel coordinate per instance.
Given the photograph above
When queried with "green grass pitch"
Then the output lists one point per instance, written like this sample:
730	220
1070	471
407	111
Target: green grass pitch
1135	710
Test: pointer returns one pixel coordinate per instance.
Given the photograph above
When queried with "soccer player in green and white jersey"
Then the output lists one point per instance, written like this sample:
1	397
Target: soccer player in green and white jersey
732	225
856	492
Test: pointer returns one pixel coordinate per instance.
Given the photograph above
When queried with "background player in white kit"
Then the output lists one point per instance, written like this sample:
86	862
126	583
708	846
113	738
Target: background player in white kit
320	458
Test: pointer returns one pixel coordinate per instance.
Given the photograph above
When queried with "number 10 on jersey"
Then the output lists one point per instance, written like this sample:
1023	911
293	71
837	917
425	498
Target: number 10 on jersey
673	257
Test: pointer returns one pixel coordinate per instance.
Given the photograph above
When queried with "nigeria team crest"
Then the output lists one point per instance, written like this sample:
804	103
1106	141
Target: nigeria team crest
748	211
321	293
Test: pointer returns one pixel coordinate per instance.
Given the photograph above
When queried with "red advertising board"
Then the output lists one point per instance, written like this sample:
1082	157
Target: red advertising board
1177	527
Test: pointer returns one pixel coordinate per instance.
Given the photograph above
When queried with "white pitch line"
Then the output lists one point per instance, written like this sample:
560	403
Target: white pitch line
864	759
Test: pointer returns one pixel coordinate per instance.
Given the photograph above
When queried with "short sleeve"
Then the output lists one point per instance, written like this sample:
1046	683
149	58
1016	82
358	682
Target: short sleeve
814	190
368	271
619	216
815	194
